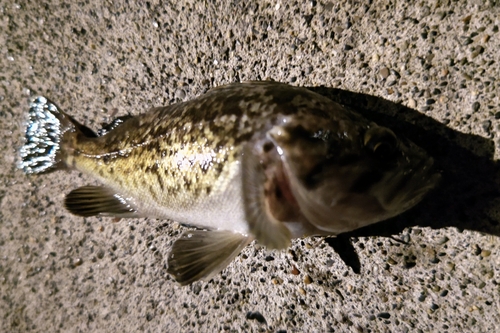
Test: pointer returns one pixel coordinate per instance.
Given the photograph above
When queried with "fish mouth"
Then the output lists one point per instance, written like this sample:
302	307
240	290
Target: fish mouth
400	191
335	206
336	193
278	193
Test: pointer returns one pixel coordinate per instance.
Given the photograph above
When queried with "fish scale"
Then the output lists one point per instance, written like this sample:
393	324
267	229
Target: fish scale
258	161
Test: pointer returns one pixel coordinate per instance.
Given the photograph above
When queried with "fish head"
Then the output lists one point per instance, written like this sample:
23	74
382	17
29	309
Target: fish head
348	173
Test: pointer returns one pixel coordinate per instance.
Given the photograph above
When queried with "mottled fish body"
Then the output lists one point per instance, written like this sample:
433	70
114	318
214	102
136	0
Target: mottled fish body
257	160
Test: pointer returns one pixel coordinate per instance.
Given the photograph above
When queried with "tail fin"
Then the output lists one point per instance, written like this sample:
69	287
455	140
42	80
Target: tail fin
46	126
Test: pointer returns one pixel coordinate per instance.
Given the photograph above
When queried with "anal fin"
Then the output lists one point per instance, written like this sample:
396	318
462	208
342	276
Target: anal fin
200	254
268	231
98	200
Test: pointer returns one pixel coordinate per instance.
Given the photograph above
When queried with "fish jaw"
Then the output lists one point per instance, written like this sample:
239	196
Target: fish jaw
340	183
334	208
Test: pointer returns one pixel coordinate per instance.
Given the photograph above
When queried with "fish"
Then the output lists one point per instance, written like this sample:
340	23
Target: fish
255	161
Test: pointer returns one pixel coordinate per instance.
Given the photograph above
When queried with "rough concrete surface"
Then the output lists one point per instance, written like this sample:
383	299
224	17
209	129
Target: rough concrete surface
431	68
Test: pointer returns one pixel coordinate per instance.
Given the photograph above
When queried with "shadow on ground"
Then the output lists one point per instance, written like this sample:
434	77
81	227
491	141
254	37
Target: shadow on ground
468	193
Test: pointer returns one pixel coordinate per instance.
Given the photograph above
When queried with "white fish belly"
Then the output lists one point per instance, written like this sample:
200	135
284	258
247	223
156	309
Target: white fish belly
222	210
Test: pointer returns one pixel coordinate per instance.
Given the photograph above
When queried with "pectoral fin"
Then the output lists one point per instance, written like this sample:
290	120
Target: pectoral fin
268	231
200	254
98	200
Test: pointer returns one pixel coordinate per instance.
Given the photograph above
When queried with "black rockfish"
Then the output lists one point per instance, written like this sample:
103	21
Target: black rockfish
257	160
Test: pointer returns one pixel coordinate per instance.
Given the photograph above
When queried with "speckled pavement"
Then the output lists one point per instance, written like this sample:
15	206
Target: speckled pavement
430	69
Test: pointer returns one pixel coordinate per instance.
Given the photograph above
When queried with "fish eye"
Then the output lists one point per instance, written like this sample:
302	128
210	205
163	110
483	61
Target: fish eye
381	141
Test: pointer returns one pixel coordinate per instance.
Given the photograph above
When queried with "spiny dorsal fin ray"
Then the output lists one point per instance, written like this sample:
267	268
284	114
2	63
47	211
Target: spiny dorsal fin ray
98	200
200	254
267	230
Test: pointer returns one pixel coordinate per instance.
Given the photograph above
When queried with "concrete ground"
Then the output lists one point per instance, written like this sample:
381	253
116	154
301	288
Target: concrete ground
430	69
